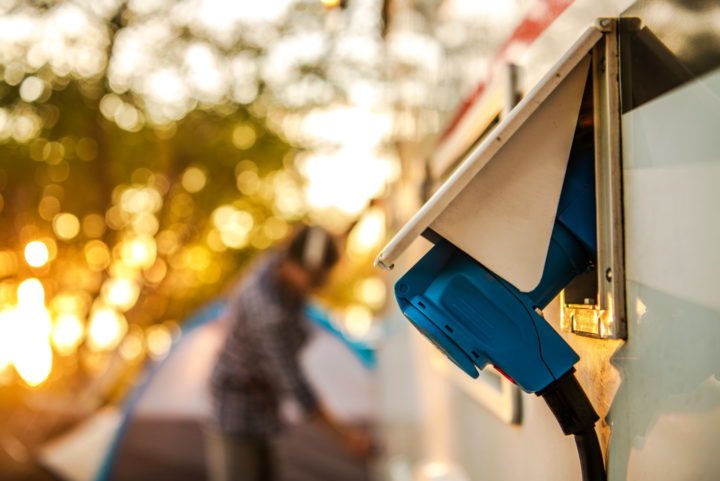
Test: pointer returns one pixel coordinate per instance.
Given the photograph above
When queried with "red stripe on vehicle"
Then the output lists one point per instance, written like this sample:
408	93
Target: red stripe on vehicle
541	16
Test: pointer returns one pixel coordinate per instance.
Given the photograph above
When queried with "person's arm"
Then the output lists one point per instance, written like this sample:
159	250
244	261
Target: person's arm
287	377
356	441
282	369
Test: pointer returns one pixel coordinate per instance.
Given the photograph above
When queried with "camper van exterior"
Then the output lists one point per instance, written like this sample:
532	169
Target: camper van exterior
652	369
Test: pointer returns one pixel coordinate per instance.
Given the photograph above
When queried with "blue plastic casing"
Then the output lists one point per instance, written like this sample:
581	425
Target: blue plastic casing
477	318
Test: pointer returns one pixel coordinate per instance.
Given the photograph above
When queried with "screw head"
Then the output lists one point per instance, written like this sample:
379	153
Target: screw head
608	274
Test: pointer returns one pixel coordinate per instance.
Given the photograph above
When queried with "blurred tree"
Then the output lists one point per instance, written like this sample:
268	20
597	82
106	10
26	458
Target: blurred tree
144	209
147	151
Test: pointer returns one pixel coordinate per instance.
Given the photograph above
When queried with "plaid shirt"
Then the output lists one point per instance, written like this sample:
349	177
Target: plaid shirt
258	365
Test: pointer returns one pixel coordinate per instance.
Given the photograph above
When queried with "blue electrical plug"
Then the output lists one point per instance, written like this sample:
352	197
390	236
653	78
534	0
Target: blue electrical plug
477	318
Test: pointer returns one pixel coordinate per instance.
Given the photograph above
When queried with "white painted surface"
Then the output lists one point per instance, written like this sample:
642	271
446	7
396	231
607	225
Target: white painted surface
672	193
681	127
673	230
666	411
665	414
504	217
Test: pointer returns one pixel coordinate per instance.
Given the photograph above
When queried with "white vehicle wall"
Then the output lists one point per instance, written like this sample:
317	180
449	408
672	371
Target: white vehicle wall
659	389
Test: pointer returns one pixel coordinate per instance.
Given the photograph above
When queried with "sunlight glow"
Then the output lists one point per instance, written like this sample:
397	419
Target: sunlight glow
136	200
31	351
36	253
204	72
121	292
371	291
194	179
358	320
31	89
223	15
31	293
97	255
159	340
133	346
66	226
350	169
7	337
235	64
107	328
244	136
368	234
67	333
140	251
346	126
345	180
166	86
33	358
234	225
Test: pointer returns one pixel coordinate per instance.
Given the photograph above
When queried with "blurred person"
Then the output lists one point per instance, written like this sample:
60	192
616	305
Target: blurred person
258	366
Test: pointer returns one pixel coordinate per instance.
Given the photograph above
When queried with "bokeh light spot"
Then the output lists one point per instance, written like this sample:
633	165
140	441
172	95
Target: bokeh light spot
121	292
194	179
66	226
36	254
248	182
244	136
67	333
367	235
97	255
31	293
31	89
49	207
358	320
8	263
159	341
106	329
93	225
133	346
371	291
139	252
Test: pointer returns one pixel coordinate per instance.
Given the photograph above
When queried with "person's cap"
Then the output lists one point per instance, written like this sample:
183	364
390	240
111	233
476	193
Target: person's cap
314	249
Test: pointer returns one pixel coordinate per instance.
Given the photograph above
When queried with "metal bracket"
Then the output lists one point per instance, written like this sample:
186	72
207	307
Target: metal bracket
607	318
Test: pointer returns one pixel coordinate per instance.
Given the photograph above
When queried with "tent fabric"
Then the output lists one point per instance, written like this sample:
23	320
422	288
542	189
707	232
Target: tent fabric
77	454
160	433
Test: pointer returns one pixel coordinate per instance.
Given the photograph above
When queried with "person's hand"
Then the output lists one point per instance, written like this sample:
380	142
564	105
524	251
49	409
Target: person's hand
357	442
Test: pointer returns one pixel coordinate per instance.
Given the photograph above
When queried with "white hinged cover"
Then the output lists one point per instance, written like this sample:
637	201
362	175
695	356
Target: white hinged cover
499	206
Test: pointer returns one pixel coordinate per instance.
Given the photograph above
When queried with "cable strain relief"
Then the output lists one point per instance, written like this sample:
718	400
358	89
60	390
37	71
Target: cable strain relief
570	405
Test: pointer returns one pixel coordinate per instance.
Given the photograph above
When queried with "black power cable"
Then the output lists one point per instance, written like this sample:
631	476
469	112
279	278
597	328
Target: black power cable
576	415
591	460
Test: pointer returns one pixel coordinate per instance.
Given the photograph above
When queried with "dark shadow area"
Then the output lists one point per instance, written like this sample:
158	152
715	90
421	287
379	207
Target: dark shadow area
157	450
664	44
